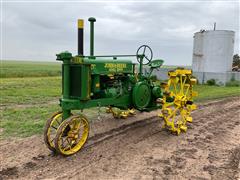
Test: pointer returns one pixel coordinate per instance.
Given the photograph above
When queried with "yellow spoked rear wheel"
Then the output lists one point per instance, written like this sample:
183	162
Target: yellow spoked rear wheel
50	129
178	100
72	135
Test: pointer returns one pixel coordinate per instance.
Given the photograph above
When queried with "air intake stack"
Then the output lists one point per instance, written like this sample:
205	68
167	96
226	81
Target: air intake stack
92	20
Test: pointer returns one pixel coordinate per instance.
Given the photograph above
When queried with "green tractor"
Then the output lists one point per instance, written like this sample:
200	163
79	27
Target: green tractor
114	82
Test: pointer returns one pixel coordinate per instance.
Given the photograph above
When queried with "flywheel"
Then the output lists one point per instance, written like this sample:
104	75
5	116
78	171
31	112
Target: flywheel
141	95
178	100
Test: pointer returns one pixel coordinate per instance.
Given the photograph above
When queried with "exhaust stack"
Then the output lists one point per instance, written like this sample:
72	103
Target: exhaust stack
80	36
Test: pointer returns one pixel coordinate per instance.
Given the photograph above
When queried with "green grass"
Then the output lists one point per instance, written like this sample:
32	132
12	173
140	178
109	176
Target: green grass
29	69
173	67
37	90
215	92
27	121
26	103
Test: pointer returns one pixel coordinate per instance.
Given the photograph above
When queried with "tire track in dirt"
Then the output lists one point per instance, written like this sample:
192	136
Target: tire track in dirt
209	150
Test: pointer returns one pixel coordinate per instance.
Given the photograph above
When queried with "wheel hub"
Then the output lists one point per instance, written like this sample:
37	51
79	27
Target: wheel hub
73	134
180	100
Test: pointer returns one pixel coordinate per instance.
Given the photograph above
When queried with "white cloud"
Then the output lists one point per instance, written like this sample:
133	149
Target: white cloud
37	31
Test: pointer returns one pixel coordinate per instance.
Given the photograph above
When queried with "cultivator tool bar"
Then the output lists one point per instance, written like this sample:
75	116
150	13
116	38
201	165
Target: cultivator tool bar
115	82
118	113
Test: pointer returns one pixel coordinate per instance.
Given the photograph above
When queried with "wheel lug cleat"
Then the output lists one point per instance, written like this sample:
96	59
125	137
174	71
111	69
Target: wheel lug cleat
183	128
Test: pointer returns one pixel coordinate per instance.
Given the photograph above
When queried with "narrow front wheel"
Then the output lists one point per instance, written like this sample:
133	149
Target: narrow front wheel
50	130
72	135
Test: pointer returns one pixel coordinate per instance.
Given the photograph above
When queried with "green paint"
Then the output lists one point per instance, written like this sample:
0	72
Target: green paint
88	83
92	20
141	95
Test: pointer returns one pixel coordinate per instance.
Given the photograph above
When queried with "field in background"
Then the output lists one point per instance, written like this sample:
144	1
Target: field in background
29	69
26	103
9	69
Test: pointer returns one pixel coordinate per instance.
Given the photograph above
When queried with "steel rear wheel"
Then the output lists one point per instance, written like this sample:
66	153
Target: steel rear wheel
50	130
178	100
72	135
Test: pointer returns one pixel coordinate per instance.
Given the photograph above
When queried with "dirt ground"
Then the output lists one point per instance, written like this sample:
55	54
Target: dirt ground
138	148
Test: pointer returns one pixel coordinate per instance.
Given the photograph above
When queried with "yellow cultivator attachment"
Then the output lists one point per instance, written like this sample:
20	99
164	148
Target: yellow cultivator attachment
117	113
178	100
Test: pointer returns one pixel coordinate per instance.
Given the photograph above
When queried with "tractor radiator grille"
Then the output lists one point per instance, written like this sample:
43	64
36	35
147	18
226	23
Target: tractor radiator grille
75	81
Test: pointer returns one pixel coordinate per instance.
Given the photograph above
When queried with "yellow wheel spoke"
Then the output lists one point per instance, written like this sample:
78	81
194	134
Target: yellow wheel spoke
175	88
168	104
69	143
81	126
183	83
186	93
174	112
54	127
181	92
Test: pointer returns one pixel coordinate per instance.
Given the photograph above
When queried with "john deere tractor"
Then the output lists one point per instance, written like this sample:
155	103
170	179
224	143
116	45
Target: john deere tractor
119	84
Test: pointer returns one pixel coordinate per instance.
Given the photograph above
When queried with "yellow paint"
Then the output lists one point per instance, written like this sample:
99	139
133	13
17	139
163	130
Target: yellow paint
179	87
194	93
77	60
193	81
80	23
93	66
97	85
117	113
75	140
55	121
112	67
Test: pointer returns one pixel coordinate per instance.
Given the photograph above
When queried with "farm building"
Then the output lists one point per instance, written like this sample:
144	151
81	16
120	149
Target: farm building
213	56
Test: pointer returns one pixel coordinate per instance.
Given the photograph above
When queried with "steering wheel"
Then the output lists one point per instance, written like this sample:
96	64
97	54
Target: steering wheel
146	52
